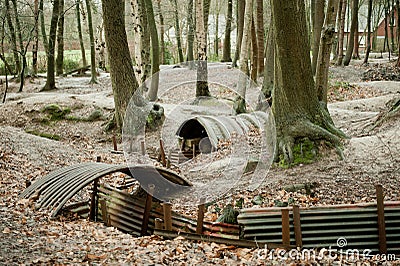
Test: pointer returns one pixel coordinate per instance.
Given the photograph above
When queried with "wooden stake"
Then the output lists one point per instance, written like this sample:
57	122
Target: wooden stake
94	200
381	219
158	224
104	213
167	216
285	227
146	214
162	152
297	226
200	217
142	147
114	140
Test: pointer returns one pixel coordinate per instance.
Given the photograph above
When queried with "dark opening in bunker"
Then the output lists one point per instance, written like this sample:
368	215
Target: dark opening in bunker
192	135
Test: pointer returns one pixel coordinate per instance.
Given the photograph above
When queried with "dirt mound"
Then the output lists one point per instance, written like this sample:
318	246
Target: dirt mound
380	72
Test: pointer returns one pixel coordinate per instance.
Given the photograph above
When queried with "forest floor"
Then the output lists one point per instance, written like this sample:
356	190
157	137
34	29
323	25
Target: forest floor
372	156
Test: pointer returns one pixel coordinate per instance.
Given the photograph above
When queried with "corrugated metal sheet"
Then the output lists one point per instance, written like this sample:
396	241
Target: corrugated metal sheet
220	127
323	226
56	188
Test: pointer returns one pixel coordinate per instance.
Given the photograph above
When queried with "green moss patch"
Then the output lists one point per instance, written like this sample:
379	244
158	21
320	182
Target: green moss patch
304	152
43	134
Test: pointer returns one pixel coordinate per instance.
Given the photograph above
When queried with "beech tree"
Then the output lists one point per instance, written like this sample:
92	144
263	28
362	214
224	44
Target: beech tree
353	29
298	113
79	28
93	71
240	6
202	72
226	52
319	16
341	22
60	41
123	80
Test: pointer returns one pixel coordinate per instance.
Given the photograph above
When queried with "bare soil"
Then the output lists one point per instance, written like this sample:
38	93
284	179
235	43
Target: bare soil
372	156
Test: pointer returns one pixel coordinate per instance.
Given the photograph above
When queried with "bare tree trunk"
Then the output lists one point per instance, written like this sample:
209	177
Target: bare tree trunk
13	38
317	28
341	33
254	52
93	71
202	72
353	29
398	33
178	31
369	16
240	103
296	109
43	28
79	26
190	37
155	64
268	83
260	36
240	24
123	80
226	53
216	40
51	81
391	25
322	71
162	33
35	39
386	24
60	41
356	52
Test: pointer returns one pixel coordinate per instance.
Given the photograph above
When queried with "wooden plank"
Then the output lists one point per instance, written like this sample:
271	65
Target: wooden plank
158	224
297	226
200	219
381	219
146	214
285	227
104	213
167	216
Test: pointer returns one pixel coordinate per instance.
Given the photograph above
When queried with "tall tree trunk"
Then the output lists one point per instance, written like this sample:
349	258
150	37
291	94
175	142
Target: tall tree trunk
162	33
226	53
386	24
391	25
93	72
341	32
51	81
35	39
296	109
216	39
178	31
260	36
240	24
190	37
43	28
369	18
79	27
398	33
13	36
123	80
254	52
356	52
268	83
240	103
206	11
60	41
155	55
319	18
325	48
202	72
353	29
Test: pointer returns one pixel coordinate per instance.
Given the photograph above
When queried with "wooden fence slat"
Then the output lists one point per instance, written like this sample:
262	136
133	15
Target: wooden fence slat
167	216
200	219
146	214
297	226
285	227
381	219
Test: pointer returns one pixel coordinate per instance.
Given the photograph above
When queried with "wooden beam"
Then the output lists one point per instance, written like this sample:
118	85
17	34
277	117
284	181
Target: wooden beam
200	218
285	227
297	226
167	216
146	214
381	219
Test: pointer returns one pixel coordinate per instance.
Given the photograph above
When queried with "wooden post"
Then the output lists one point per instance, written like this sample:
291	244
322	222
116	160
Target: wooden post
297	226
158	224
114	140
167	216
381	219
142	147
104	213
194	150
146	214
285	227
93	200
162	152
200	217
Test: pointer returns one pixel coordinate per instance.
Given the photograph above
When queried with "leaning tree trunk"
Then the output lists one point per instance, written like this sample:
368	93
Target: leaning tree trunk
341	32
240	102
60	41
319	18
178	31
35	39
325	47
51	81
123	80
226	53
202	72
93	72
13	38
369	16
240	24
155	52
353	29
79	27
260	36
298	113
